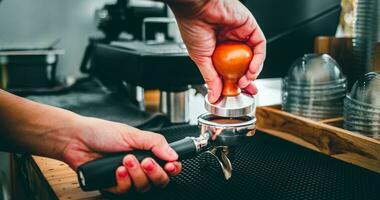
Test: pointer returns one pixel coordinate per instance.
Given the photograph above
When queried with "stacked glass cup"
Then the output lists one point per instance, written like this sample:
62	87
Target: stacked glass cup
362	106
314	87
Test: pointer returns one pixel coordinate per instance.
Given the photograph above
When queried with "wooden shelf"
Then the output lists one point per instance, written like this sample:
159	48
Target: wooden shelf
324	136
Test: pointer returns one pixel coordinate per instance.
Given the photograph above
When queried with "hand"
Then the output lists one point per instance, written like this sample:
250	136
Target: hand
91	138
205	23
34	128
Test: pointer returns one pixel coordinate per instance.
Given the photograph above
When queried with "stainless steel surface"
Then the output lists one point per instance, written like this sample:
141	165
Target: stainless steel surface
234	106
221	155
201	142
315	69
226	133
361	111
269	94
314	88
175	105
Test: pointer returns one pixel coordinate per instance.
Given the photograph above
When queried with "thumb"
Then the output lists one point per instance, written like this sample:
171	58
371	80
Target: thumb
154	142
211	77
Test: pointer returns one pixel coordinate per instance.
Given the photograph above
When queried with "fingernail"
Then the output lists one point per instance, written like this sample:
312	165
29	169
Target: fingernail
171	168
149	166
171	152
122	173
130	162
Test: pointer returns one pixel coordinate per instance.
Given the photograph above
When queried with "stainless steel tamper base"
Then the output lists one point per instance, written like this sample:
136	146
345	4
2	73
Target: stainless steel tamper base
231	106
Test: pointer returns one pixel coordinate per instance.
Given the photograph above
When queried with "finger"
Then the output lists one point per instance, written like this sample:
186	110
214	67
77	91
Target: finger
173	168
253	71
250	33
211	77
258	42
155	173
251	89
251	75
154	142
138	177
242	32
123	181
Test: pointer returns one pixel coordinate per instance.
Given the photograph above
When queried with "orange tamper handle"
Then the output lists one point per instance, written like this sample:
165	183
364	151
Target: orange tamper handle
231	61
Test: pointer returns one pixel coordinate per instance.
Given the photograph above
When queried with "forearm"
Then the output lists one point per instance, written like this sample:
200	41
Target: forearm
29	127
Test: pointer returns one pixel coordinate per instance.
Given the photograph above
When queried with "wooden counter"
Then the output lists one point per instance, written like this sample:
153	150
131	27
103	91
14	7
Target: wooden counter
62	180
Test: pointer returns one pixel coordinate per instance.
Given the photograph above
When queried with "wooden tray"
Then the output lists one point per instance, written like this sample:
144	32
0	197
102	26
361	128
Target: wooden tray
323	136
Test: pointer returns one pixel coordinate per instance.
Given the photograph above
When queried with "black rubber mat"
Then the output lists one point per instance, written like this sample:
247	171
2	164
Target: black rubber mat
267	168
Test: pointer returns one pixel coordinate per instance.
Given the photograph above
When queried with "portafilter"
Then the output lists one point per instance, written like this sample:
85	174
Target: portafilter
226	126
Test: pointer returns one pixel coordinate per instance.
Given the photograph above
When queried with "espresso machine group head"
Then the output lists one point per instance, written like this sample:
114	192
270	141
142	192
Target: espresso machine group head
220	132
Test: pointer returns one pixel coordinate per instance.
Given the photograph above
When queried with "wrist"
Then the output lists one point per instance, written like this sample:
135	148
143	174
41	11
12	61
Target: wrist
51	133
58	134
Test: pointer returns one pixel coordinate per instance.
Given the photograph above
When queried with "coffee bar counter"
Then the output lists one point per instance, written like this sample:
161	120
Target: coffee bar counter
268	168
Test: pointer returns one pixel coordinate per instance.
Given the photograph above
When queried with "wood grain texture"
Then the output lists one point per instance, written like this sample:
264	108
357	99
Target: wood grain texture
318	136
63	180
336	122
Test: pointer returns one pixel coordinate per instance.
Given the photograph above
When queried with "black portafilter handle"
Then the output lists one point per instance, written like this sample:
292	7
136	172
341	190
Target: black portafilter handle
100	173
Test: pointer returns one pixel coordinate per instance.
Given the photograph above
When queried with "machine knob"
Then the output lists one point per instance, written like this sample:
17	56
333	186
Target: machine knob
231	60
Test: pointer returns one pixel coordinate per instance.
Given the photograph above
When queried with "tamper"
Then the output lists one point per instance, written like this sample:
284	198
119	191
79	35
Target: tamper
231	120
231	61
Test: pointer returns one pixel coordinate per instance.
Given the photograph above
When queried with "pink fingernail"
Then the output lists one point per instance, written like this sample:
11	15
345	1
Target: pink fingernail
122	173
129	162
171	168
149	166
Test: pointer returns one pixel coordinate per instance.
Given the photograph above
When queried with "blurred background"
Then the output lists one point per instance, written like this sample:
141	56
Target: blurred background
38	23
73	26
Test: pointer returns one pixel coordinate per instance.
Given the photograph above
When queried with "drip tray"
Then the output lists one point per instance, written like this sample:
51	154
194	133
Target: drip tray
266	168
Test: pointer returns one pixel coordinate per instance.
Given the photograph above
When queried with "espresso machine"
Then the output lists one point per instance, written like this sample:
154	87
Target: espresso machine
229	123
153	57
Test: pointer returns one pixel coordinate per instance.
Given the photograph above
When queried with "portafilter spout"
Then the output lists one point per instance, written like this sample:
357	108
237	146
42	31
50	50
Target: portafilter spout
225	135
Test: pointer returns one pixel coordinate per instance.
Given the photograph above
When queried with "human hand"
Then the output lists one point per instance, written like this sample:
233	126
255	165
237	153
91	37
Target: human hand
203	24
91	138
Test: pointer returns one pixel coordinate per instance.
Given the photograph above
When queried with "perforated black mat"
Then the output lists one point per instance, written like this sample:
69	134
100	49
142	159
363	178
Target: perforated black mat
267	168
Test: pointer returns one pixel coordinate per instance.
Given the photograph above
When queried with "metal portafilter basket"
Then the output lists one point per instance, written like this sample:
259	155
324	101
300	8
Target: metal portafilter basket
228	124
